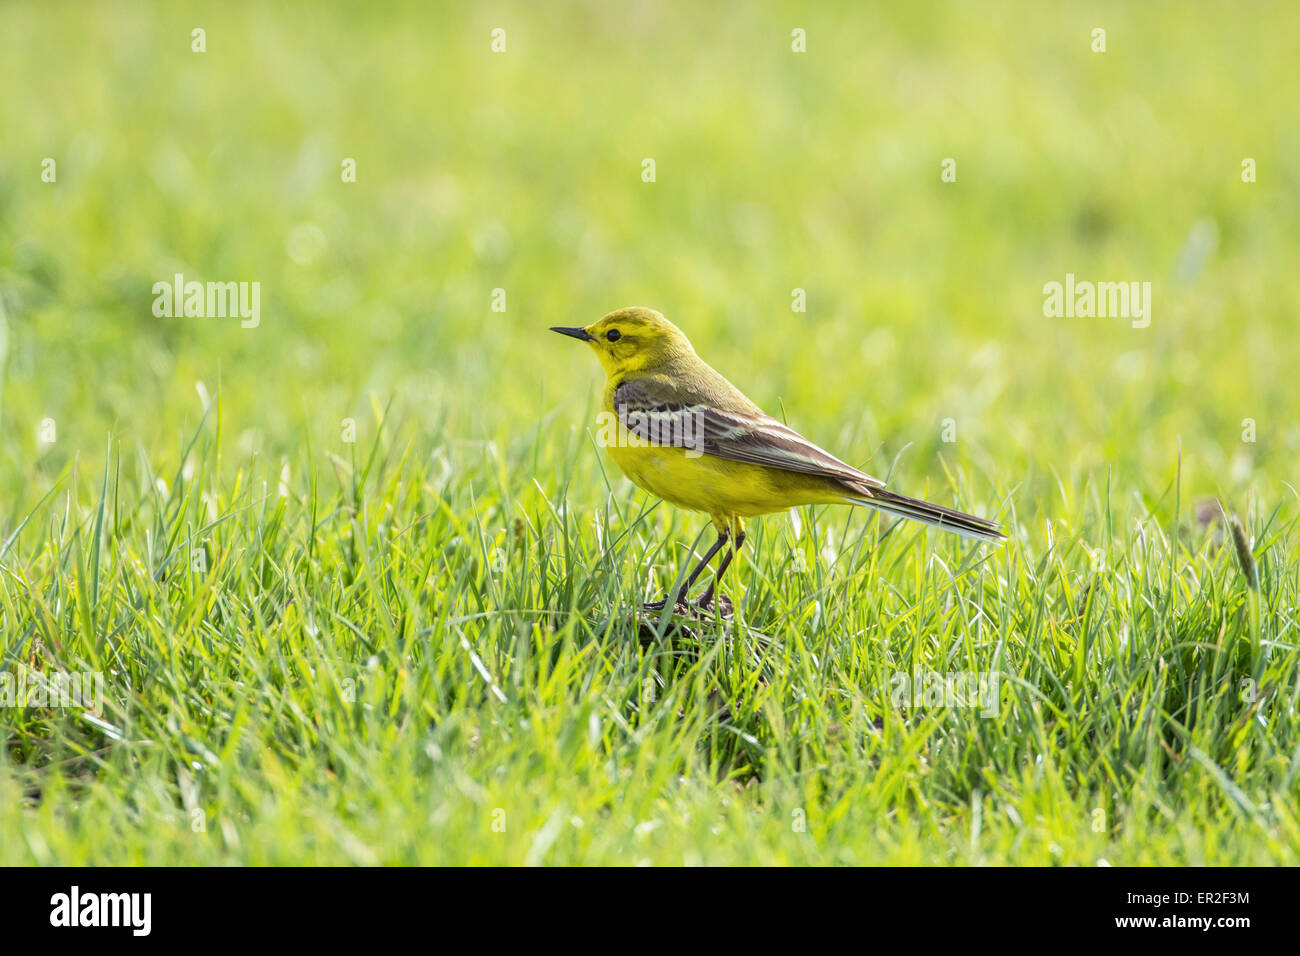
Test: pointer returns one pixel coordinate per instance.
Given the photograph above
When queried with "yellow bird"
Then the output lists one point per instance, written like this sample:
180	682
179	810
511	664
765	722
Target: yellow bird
684	433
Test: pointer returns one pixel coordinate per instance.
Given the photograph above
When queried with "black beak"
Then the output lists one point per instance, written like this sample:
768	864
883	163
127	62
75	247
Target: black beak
577	331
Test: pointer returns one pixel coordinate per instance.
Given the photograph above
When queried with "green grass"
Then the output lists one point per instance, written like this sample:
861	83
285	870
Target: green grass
420	646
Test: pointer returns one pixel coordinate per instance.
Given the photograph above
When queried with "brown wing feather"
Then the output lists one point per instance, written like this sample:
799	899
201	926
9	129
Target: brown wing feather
734	435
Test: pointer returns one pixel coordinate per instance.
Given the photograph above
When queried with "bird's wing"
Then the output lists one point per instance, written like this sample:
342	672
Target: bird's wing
758	439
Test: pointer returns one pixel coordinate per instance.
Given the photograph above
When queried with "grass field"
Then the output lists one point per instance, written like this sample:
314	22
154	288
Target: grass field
358	583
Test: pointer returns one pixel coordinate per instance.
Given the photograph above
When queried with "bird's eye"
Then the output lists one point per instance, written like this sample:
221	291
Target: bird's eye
613	335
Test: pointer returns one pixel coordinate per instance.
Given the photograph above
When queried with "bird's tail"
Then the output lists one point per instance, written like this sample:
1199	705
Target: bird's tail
936	516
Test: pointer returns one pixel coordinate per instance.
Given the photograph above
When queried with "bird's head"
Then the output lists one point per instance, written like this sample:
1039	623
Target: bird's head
632	339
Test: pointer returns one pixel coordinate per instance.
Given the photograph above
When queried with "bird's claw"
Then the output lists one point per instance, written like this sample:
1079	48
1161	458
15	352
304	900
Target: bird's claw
725	607
684	606
679	605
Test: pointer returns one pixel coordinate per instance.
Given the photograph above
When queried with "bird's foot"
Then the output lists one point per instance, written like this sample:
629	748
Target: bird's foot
680	605
688	608
725	608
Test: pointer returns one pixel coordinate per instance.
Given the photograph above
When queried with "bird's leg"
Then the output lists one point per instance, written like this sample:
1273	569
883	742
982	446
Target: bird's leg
707	599
704	563
686	586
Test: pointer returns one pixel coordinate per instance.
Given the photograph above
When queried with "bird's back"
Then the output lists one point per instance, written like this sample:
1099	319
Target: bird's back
692	381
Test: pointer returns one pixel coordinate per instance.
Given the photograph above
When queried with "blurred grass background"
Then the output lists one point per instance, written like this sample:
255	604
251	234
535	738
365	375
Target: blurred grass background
521	171
775	170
